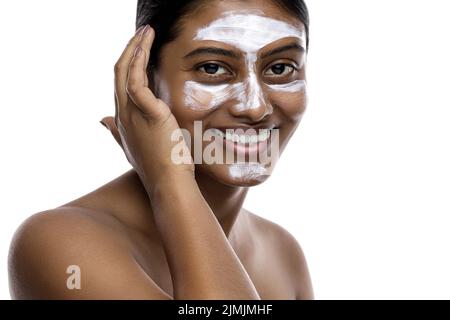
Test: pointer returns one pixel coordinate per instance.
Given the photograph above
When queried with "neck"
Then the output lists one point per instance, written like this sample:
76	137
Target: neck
225	201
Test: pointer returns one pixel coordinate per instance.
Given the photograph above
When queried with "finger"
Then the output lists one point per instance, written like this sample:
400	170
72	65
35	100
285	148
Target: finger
142	96
110	124
116	105
122	66
128	52
146	43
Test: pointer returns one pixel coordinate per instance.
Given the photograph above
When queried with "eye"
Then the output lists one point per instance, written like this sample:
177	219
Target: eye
213	69
280	69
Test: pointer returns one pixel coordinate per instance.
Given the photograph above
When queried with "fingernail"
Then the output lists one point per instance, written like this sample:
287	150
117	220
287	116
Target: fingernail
148	30
139	29
144	30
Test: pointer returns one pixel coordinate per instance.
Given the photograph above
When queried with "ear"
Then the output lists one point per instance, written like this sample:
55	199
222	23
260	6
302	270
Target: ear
110	124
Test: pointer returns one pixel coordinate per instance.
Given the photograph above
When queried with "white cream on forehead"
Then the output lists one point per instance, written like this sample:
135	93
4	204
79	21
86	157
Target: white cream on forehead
248	31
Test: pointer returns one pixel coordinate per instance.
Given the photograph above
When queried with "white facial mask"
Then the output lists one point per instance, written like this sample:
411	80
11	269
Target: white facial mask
249	31
248	171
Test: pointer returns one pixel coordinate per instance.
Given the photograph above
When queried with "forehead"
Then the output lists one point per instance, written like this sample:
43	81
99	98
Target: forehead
248	30
248	24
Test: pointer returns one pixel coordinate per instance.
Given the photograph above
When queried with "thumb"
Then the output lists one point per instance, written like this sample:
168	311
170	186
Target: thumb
110	124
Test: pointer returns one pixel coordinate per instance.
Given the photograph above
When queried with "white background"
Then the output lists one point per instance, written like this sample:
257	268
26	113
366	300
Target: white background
363	186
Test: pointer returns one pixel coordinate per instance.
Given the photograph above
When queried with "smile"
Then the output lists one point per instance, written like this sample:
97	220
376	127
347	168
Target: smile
264	135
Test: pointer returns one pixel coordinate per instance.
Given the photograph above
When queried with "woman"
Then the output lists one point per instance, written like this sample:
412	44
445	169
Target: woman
173	227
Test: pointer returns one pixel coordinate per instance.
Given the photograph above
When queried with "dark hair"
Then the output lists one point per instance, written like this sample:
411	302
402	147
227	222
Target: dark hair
164	16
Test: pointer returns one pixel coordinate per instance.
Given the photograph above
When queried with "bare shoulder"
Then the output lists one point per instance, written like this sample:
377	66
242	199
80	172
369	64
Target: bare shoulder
289	252
74	253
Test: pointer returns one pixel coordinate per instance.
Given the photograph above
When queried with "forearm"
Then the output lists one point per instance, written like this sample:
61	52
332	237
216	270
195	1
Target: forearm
202	262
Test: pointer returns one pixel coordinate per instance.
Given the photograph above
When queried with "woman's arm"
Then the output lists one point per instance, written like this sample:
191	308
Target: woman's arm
202	262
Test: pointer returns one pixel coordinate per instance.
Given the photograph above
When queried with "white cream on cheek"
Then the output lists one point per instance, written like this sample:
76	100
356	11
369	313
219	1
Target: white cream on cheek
200	96
291	87
248	32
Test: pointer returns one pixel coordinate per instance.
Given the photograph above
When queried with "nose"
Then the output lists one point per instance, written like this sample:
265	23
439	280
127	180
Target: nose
252	103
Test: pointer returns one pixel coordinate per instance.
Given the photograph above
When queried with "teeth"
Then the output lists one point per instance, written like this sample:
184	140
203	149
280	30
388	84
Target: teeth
263	135
218	132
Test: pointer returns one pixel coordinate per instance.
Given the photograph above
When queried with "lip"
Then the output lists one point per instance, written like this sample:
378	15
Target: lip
245	128
249	150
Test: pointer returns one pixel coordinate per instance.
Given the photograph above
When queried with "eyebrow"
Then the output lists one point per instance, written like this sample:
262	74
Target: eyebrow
291	46
212	50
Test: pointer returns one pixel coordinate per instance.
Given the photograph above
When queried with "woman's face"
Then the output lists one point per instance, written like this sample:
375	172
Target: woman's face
235	80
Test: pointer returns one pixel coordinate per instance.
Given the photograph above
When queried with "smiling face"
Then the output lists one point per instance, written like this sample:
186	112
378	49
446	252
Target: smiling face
237	65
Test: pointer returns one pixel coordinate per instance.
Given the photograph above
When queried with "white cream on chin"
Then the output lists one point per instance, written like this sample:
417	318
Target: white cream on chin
248	171
249	31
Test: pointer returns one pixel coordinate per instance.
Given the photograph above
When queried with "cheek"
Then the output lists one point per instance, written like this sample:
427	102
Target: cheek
290	99
172	93
199	97
191	101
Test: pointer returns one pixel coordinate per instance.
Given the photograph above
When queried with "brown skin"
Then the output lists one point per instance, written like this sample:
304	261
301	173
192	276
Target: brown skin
165	231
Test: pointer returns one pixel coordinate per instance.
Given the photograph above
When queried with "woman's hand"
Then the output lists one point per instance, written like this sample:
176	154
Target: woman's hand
143	124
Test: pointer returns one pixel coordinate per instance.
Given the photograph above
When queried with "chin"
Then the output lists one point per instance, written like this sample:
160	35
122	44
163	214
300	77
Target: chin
237	175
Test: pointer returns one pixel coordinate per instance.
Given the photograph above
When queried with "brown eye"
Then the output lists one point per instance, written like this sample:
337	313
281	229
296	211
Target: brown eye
212	69
279	69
